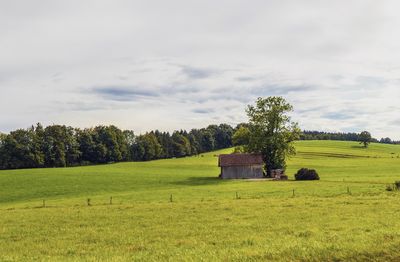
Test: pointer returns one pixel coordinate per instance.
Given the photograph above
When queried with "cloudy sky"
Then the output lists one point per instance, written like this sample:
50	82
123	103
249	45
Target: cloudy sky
167	65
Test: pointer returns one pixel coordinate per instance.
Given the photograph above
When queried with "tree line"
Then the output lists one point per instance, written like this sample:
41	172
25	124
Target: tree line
318	135
63	146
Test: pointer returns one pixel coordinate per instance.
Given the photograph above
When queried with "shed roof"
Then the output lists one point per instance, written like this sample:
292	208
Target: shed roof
240	160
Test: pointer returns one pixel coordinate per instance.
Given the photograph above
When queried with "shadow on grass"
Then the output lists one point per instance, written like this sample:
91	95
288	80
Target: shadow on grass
199	181
359	147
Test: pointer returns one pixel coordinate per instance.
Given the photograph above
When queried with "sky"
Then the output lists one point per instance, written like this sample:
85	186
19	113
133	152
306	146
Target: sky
145	65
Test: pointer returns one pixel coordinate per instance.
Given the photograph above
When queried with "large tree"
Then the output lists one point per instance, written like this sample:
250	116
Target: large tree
271	131
20	149
60	146
365	138
180	145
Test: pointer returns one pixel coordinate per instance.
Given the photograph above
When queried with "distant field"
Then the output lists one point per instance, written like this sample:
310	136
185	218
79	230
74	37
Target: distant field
347	215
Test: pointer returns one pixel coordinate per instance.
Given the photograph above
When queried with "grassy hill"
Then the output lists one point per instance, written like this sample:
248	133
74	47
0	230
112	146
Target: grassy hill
206	220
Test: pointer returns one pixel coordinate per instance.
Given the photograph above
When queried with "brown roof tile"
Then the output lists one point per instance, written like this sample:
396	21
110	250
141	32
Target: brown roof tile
240	160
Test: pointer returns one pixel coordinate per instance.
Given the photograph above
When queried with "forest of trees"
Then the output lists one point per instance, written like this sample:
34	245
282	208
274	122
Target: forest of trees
61	146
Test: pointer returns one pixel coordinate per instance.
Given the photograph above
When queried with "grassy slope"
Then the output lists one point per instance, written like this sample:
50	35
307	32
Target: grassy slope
205	221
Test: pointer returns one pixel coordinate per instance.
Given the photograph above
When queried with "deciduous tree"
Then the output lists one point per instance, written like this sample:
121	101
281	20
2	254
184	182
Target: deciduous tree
365	138
271	131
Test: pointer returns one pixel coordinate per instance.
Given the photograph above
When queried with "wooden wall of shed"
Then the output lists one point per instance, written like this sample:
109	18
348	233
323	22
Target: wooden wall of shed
232	172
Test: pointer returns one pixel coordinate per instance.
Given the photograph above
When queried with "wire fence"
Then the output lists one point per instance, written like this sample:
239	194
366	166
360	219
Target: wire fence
178	198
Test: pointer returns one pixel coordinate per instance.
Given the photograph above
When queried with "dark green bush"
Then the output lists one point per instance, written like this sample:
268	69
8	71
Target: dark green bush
393	187
390	187
306	174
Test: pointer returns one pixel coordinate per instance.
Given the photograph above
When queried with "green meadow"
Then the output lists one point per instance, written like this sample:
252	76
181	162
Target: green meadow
178	210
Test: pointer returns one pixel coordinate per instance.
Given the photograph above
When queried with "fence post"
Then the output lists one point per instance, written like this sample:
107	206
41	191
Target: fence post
88	202
170	198
110	200
293	193
44	203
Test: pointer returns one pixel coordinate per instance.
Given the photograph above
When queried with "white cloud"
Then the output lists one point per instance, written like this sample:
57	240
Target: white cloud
181	64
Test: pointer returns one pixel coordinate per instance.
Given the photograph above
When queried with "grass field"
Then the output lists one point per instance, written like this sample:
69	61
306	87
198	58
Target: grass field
346	216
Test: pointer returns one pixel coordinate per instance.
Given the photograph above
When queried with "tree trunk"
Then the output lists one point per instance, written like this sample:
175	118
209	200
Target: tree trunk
269	170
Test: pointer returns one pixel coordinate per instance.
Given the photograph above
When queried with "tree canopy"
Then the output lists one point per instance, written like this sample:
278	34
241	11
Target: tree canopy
270	132
365	138
60	146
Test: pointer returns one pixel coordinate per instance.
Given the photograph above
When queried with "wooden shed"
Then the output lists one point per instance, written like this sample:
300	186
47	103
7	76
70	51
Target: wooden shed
241	166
